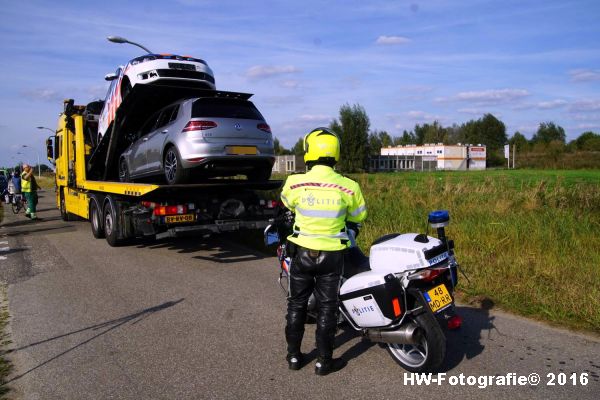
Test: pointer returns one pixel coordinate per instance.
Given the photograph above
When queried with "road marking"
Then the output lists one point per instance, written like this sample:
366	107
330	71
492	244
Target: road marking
5	242
4	248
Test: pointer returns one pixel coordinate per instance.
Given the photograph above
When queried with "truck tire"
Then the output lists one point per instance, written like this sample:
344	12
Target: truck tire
96	220
64	214
112	225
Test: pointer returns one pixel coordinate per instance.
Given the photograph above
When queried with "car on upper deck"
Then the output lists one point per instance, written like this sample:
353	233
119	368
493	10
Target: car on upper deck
152	69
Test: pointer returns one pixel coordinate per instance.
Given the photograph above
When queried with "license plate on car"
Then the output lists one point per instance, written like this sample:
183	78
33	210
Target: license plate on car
438	298
175	219
241	150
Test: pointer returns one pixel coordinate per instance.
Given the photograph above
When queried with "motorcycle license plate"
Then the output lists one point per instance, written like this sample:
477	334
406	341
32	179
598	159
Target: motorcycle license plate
438	298
175	219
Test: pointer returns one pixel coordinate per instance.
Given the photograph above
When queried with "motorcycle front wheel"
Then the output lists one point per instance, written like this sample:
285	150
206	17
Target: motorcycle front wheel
428	354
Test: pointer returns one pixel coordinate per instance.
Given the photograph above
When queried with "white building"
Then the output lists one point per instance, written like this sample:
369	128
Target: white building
430	157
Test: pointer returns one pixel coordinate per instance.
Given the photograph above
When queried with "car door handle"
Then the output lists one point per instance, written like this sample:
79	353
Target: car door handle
164	131
145	139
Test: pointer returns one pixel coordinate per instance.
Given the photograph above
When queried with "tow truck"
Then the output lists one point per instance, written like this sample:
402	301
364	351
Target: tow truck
87	184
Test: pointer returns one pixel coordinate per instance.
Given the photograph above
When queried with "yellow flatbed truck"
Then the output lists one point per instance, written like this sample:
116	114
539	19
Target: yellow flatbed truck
123	210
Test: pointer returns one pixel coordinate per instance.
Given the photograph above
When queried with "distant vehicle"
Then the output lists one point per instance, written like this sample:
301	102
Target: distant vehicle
204	136
152	69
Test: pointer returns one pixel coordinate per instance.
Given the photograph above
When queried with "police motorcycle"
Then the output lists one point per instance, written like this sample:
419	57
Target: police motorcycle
400	295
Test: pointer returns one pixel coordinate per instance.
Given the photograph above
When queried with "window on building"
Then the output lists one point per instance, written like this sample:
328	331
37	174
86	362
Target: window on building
289	166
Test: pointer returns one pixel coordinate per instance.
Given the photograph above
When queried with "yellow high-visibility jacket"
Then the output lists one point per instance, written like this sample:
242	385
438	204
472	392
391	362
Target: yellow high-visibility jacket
323	201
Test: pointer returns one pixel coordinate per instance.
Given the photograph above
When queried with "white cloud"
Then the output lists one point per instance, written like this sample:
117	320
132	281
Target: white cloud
589	126
264	71
290	84
315	118
585	105
584	75
472	111
548	105
392	40
493	96
50	95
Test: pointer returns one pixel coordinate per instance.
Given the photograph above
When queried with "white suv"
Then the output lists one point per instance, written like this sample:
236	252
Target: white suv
152	69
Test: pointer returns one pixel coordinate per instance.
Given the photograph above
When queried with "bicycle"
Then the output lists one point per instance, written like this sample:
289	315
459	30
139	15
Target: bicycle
18	203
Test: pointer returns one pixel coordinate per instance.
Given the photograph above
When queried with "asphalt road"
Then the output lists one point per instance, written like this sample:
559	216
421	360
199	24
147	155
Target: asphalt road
203	319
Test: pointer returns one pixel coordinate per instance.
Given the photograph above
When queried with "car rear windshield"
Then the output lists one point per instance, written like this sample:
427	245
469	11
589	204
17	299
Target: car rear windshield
225	108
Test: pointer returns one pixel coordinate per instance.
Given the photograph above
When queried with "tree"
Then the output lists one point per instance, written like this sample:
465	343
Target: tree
406	138
420	134
492	132
353	130
547	132
377	140
298	148
434	133
519	141
279	149
582	142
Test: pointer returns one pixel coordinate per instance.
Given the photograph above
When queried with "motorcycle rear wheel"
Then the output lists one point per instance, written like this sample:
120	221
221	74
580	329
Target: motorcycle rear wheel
426	356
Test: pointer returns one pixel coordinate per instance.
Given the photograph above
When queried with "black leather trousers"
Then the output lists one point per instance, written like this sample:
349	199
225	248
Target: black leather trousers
317	271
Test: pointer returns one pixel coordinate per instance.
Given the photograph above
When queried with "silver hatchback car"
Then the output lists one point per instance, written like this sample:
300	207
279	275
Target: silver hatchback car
198	138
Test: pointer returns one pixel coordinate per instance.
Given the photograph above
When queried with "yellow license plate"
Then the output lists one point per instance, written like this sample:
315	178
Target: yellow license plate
241	150
174	219
438	298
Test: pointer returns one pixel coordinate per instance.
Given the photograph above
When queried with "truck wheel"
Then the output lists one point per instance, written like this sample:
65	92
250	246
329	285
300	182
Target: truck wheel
174	171
111	223
124	171
64	214
96	218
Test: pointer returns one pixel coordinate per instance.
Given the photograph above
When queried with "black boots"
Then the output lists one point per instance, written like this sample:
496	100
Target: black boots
327	366
295	361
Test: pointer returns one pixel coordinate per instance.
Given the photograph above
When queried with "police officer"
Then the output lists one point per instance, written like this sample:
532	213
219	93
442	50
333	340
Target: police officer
323	202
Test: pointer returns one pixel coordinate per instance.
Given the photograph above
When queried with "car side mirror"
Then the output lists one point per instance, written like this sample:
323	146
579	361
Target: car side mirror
110	77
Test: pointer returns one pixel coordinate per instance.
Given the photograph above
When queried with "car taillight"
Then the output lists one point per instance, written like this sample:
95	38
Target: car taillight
264	128
170	210
199	126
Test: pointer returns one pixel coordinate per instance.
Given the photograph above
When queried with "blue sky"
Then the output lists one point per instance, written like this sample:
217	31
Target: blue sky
405	62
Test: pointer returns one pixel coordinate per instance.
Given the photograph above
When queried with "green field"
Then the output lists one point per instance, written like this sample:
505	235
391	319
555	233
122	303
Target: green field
529	240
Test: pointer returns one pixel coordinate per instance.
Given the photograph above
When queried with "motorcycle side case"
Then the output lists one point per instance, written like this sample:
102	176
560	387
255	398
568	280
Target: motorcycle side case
367	298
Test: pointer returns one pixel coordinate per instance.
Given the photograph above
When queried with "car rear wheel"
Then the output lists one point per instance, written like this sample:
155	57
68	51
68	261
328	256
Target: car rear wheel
174	171
124	171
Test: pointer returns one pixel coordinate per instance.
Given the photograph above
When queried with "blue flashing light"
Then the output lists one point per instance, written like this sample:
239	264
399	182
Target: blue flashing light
439	217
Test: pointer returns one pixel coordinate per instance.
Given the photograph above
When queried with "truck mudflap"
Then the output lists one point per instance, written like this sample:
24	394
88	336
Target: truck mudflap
219	226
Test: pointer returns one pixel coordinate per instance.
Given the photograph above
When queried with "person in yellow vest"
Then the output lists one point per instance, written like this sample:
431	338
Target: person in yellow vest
29	188
324	203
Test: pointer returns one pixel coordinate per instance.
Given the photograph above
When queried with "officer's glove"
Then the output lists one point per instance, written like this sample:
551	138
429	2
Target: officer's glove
353	226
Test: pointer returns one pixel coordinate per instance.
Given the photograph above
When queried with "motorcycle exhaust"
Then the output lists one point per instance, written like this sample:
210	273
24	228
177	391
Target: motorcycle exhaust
406	334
